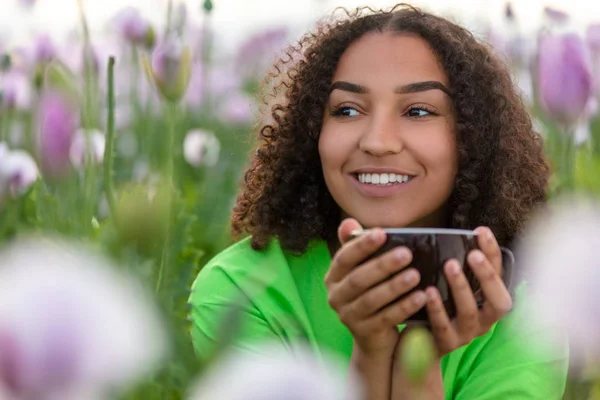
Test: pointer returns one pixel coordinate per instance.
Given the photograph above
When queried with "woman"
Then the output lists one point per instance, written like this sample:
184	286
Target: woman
384	119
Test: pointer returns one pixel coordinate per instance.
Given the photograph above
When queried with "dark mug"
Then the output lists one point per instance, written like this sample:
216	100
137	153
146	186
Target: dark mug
431	248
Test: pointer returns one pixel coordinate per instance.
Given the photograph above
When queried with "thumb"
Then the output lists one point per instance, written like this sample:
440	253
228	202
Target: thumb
347	226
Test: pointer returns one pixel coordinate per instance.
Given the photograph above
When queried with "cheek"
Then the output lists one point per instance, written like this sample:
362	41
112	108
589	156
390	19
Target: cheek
332	149
440	157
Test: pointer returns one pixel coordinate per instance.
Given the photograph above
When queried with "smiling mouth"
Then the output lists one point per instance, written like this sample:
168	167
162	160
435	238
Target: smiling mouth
385	179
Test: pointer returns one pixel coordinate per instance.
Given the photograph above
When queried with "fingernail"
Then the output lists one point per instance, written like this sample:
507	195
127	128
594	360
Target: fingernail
419	298
478	257
431	296
401	254
374	236
454	268
409	276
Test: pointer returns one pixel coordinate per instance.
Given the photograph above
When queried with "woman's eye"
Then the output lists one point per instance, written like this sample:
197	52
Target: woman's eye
418	112
345	112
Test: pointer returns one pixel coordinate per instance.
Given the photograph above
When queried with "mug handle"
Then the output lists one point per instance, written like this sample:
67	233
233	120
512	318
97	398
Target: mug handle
508	264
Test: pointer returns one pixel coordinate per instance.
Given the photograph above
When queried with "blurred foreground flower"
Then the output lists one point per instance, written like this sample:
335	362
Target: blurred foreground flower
418	354
277	374
71	326
57	124
18	171
201	148
78	153
170	68
560	254
565	76
27	3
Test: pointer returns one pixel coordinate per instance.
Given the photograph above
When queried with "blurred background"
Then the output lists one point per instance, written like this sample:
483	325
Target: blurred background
124	132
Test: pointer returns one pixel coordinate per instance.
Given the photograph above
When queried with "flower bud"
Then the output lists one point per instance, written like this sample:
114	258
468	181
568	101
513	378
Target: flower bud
170	68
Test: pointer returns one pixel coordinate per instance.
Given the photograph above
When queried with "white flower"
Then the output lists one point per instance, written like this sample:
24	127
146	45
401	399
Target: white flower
560	257
77	152
71	326
201	148
274	373
18	171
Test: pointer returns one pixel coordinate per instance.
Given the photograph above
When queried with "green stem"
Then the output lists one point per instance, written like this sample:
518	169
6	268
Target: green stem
89	119
568	159
169	171
169	18
206	56
110	137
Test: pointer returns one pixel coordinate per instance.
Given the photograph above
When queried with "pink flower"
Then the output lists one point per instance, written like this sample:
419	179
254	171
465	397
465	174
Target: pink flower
44	49
170	68
565	76
16	90
593	37
237	109
555	15
133	27
57	122
257	53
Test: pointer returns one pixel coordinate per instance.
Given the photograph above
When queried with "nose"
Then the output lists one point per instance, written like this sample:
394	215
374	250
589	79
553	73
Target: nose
381	136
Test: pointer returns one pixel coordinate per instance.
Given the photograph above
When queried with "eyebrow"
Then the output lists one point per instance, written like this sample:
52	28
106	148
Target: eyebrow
414	87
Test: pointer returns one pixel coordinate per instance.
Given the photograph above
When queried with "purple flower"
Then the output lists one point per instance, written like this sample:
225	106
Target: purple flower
15	90
134	28
593	37
565	78
71	326
57	122
257	53
44	49
555	15
195	93
237	109
170	68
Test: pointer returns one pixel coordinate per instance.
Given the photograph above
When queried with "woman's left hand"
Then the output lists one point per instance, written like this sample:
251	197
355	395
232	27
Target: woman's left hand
470	321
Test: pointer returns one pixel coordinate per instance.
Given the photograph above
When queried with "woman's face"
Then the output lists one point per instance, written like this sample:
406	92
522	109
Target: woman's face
387	144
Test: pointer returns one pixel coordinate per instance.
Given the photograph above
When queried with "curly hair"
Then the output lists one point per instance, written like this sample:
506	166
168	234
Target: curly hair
502	172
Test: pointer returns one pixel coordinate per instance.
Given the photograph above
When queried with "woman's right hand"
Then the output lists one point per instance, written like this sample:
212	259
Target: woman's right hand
364	297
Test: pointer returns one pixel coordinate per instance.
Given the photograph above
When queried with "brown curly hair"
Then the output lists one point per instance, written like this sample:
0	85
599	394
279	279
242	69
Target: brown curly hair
502	173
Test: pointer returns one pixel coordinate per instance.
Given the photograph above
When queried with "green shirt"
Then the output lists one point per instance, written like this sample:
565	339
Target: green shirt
283	299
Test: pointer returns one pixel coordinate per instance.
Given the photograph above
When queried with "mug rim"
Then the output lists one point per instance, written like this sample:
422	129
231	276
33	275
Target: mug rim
426	231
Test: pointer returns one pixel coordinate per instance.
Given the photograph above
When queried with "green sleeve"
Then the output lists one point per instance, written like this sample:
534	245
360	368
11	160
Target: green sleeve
516	361
222	312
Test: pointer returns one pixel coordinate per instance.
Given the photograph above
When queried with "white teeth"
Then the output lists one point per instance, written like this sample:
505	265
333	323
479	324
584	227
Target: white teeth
383	179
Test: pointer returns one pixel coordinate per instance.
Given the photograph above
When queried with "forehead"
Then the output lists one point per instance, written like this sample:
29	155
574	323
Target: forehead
402	58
